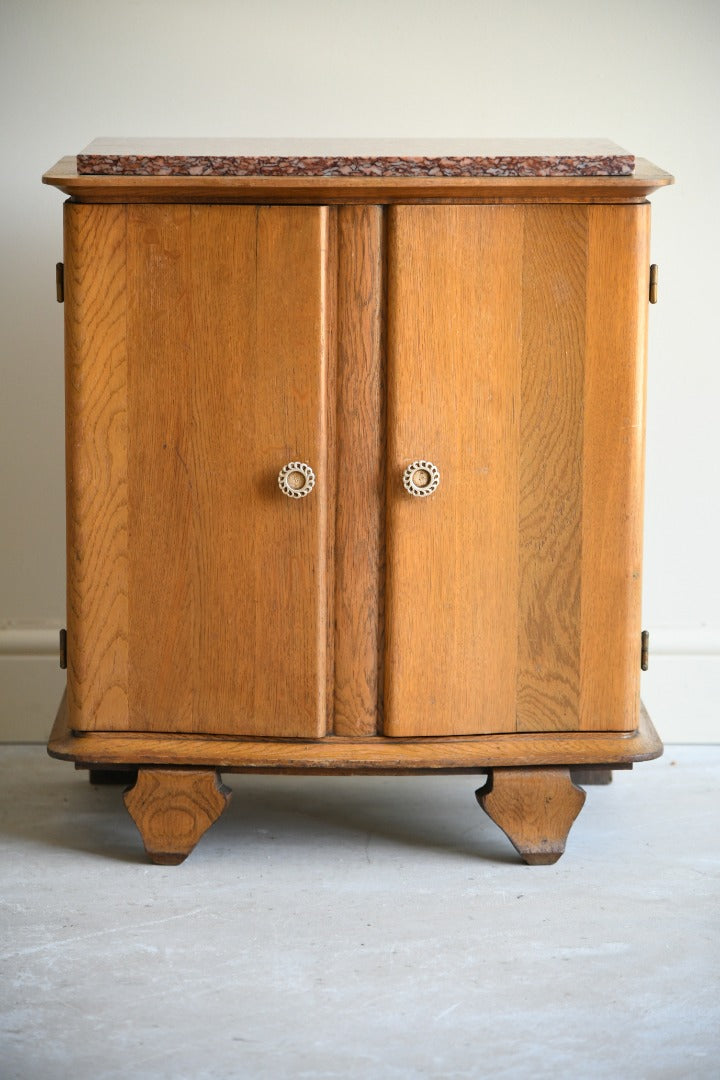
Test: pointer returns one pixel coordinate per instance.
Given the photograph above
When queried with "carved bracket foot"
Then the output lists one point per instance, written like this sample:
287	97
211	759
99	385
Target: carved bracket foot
534	808
172	808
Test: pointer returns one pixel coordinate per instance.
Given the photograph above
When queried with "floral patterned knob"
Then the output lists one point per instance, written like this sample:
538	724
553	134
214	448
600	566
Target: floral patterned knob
421	478
296	480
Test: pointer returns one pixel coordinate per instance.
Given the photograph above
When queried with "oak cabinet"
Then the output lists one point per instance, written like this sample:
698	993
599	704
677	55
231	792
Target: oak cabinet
354	483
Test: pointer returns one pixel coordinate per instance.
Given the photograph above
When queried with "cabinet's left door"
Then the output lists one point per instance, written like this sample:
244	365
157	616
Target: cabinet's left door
197	367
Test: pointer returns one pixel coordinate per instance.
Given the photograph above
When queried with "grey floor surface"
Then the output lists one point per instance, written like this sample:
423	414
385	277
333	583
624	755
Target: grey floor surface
360	927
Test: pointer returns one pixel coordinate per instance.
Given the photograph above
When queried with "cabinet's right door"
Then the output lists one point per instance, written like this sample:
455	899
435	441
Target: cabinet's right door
516	365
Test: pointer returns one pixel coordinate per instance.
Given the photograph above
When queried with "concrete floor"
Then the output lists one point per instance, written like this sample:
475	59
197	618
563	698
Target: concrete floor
350	927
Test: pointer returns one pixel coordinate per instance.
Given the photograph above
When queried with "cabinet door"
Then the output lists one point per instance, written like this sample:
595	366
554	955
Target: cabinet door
516	346
197	368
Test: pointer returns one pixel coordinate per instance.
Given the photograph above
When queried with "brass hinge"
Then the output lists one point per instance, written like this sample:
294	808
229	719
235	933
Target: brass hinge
60	282
653	283
63	648
644	650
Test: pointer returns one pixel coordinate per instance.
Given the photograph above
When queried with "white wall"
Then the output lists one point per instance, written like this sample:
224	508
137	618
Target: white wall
645	73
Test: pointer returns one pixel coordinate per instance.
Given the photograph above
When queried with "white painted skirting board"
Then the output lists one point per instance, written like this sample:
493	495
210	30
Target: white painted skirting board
681	689
684	641
31	681
29	640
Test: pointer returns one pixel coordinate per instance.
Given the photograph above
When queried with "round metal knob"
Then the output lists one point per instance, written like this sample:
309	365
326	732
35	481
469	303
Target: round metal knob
421	478
296	480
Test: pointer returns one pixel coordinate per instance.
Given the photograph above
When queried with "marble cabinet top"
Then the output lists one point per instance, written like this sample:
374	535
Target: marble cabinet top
354	157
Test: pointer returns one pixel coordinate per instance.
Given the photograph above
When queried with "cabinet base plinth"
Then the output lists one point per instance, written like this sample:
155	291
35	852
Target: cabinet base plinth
116	777
535	808
530	794
591	777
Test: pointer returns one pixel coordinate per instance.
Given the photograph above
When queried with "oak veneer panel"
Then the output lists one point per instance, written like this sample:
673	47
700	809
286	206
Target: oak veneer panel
285	402
516	349
550	467
537	343
360	427
226	381
96	458
581	474
614	425
454	354
99	296
165	520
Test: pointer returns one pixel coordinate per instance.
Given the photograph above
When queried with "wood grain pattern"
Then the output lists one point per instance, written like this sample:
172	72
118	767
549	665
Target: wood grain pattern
613	466
550	467
201	344
542	543
355	754
453	385
163	358
535	808
230	384
96	463
226	613
347	190
173	808
360	426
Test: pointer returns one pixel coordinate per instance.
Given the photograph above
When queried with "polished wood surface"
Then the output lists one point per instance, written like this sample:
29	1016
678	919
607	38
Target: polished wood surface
172	808
346	190
201	346
360	479
516	357
551	293
515	345
613	465
198	367
453	346
96	450
355	754
535	808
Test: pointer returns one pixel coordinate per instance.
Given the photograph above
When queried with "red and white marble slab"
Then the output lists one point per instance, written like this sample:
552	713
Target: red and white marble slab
354	157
